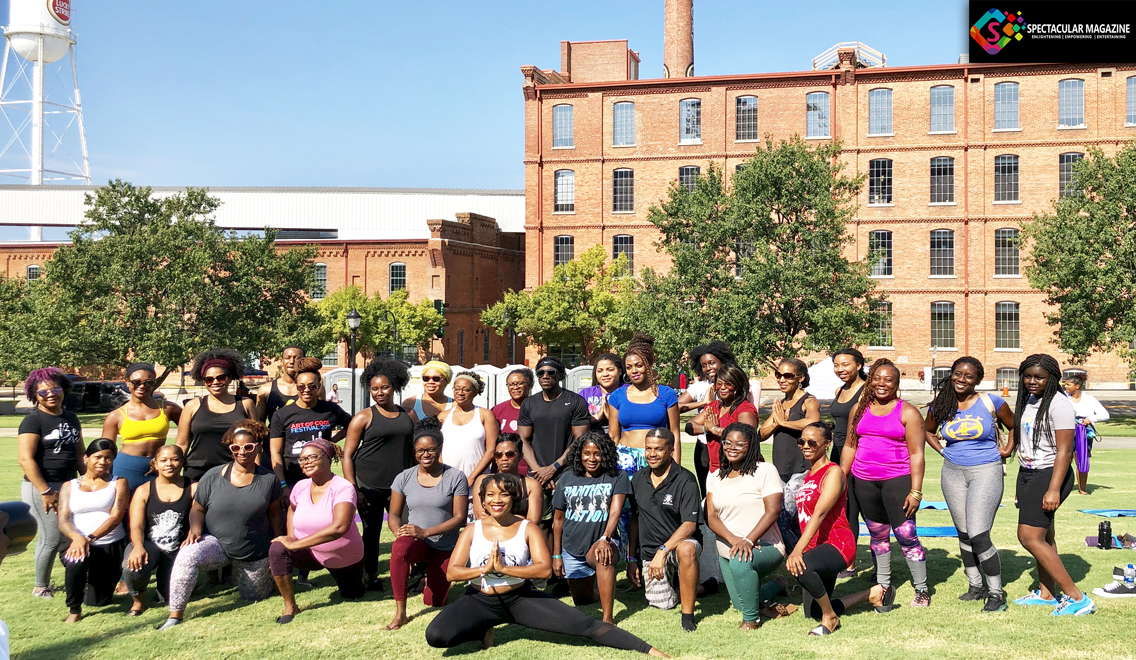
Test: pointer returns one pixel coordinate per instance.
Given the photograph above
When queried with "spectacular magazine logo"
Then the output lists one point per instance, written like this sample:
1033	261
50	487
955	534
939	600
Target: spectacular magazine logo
1037	32
997	29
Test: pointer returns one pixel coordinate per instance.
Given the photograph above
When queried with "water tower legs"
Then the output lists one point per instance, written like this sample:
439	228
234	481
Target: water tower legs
37	117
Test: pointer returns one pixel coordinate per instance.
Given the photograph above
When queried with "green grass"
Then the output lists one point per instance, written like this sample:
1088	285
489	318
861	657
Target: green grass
219	625
1118	426
92	423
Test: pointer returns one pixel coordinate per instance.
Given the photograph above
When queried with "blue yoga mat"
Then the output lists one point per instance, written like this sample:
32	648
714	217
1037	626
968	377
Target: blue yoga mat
1111	513
922	531
933	506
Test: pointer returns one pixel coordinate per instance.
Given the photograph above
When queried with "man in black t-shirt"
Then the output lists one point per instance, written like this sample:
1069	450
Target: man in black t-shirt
550	421
668	506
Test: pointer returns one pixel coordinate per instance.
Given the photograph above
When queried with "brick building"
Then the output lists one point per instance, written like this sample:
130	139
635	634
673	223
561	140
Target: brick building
958	157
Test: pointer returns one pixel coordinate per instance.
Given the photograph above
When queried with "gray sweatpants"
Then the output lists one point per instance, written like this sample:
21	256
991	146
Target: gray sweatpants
973	494
48	536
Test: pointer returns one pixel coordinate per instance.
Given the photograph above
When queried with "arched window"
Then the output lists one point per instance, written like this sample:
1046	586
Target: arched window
879	181
816	115
1130	105
688	176
565	192
1006	178
563	250
690	121
1007	252
1007	325
942	109
745	118
461	346
623	190
1066	185
1006	106
1071	103
319	291
33	273
397	277
943	324
879	112
1006	377
623	126
624	244
879	248
942	180
884	335
562	126
942	253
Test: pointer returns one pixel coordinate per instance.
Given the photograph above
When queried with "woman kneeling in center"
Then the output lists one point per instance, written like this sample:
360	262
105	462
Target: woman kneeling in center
502	553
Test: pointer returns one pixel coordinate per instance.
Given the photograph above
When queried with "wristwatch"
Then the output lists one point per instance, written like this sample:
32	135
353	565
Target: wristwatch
663	549
91	537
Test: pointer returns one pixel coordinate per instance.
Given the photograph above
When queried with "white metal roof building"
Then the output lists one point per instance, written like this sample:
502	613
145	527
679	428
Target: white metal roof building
353	213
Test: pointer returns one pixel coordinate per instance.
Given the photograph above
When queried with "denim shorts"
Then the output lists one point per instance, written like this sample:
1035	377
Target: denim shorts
576	567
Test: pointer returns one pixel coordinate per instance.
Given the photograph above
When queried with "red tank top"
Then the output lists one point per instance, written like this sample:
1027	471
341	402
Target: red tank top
713	442
834	530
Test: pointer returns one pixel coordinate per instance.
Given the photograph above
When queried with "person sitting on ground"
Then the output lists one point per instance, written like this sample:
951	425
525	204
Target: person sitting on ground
506	457
500	555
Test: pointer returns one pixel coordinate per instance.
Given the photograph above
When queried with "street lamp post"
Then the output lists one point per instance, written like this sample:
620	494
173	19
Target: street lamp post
354	320
934	354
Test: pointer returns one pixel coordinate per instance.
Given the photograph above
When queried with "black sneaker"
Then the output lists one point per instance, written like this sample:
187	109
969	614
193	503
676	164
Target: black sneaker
995	602
974	593
1117	589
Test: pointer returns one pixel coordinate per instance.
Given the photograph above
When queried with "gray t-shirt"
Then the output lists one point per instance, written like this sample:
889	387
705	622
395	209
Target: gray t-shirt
238	517
427	507
1039	453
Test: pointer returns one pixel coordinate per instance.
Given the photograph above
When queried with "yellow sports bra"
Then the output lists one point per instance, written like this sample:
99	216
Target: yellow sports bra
145	430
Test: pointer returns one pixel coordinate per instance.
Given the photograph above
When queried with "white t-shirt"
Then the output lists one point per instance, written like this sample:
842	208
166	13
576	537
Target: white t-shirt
740	503
1040	453
697	391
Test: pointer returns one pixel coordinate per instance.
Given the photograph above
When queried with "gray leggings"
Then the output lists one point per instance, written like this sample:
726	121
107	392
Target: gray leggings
48	536
973	494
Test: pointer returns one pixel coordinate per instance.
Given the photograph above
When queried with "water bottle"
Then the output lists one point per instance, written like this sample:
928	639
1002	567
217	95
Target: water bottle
1130	576
1104	535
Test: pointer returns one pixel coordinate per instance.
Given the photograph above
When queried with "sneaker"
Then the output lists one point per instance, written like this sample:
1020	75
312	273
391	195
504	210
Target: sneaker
1070	607
922	598
974	593
43	592
1034	598
995	602
1116	590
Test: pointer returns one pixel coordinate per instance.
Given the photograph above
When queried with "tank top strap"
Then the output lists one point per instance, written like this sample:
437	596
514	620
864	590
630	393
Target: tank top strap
418	411
898	412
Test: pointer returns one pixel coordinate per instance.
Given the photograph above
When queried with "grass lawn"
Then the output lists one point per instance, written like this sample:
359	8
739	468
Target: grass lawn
92	423
219	625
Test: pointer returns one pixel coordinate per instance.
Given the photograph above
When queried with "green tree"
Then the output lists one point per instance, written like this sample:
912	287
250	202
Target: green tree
410	324
581	304
1083	257
763	260
386	324
154	278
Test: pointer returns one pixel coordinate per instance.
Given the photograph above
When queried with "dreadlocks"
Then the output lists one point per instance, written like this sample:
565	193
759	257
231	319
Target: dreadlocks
609	460
945	405
753	452
867	398
1042	426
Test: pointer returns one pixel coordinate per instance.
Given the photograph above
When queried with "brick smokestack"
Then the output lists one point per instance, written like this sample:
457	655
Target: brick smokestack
678	39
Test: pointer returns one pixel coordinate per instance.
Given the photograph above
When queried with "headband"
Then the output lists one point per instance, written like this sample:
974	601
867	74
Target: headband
322	445
550	362
447	372
140	366
224	363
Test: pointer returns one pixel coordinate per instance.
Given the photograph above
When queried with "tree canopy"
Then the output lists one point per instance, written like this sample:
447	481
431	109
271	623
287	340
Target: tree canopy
386	325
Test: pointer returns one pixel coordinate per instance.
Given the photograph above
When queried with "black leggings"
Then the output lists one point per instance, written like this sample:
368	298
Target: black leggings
468	619
822	564
882	501
100	570
156	560
701	465
378	500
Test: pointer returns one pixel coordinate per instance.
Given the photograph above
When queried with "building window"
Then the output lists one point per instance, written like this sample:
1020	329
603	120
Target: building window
1067	186
879	248
1130	115
879	112
623	126
1007	259
884	336
564	194
1071	103
739	167
942	109
33	273
745	120
461	346
942	180
943	324
879	181
1006	377
742	250
1006	179
563	250
397	277
1006	106
562	126
331	359
690	121
688	176
943	253
816	115
485	352
319	290
623	190
624	244
939	375
1007	328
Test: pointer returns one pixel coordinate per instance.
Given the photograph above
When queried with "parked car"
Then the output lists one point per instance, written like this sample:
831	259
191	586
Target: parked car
96	396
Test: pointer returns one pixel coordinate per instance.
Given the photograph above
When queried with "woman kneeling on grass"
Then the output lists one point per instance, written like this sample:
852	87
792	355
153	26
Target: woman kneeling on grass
502	554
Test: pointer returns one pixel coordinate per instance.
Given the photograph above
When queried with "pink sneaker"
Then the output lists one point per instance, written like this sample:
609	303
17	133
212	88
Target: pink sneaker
922	598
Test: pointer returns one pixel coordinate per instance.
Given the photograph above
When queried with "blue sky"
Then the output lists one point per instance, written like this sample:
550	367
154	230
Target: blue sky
364	93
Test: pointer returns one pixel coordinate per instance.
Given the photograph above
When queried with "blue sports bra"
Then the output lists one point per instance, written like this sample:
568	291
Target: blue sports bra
643	416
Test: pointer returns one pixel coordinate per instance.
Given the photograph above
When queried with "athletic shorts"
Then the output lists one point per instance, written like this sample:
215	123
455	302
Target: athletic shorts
1031	488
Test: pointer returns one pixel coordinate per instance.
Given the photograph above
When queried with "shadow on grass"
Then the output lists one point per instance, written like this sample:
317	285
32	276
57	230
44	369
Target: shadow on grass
1015	565
104	618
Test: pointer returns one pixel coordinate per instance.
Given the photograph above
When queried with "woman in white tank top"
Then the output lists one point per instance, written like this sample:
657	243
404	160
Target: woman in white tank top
500	555
470	432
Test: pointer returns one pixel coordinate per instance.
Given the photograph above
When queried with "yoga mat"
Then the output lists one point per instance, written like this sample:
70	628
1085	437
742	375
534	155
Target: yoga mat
1111	513
922	531
933	506
1091	541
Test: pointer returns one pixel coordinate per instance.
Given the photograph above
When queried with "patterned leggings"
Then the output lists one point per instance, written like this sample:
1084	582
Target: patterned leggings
254	580
881	504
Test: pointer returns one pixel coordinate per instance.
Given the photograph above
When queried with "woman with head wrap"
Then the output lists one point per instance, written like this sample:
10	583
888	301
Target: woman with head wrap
204	421
436	375
143	422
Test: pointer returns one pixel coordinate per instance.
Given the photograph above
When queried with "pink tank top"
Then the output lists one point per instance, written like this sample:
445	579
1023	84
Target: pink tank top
881	446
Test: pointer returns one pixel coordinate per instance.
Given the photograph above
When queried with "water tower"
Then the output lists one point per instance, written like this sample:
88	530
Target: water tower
39	34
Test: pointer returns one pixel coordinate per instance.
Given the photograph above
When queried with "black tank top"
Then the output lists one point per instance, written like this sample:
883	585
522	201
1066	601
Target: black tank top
276	401
840	413
167	523
787	456
205	432
385	450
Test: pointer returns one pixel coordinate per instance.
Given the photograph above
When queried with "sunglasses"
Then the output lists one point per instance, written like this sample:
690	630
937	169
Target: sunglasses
811	444
548	372
730	443
307	388
432	379
45	392
247	448
788	375
310	458
209	380
505	454
142	383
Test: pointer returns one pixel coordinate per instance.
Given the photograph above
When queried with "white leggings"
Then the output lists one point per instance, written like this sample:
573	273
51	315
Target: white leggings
254	580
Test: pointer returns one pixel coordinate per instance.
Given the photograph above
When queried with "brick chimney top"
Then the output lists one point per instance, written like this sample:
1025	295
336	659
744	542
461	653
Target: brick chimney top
678	39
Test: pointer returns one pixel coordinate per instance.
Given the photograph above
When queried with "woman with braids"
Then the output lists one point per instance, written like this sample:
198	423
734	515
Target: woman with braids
730	405
470	430
379	446
885	448
743	501
321	530
972	472
500	555
506	458
706	360
642	406
1044	422
429	504
50	446
589	497
607	377
305	419
143	422
204	421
